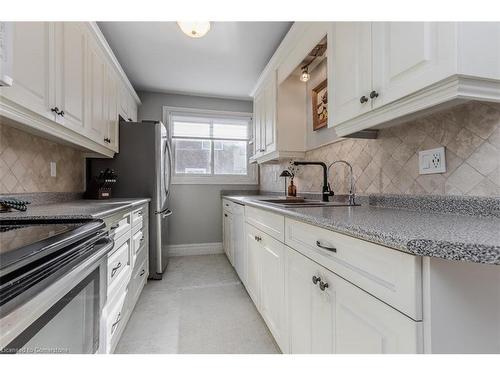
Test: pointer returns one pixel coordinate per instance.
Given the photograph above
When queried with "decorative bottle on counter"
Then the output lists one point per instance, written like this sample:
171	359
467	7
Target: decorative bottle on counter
292	189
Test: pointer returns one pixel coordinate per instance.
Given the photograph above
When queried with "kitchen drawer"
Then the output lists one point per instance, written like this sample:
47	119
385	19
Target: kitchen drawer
117	263
120	226
137	218
116	313
268	222
137	241
227	205
137	282
238	209
390	275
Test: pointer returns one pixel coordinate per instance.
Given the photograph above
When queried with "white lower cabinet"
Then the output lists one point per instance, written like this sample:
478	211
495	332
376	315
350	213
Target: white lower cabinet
327	314
228	236
128	265
266	279
308	307
253	264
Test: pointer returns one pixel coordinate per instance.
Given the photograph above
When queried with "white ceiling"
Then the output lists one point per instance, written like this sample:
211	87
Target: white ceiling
227	62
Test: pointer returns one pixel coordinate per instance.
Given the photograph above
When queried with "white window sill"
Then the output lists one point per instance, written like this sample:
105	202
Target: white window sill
214	180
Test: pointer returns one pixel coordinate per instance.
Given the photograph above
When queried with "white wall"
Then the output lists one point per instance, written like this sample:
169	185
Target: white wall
197	214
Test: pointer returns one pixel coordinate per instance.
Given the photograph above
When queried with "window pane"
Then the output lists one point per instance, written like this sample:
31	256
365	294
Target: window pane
191	129
234	130
230	157
192	156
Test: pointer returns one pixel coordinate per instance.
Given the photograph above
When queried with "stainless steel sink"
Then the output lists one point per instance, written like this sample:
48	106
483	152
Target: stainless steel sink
302	202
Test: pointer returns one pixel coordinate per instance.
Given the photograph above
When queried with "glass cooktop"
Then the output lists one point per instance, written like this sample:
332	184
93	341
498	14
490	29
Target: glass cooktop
17	235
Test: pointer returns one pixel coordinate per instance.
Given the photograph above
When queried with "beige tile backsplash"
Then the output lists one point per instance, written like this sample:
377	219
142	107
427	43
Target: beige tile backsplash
25	164
470	133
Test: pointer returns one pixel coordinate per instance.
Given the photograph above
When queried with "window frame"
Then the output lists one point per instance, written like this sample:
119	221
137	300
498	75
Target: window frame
251	178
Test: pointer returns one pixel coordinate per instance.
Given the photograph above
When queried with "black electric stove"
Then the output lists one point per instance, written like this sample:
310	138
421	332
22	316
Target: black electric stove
35	253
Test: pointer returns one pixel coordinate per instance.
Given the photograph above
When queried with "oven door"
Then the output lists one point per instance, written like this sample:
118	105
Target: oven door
71	319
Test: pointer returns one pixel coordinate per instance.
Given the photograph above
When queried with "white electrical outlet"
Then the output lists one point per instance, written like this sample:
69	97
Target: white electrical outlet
432	161
53	169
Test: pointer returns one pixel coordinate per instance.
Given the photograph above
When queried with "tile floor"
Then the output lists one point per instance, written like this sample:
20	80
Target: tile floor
200	306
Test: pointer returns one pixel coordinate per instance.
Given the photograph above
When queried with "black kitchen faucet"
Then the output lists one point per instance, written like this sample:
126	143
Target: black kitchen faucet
327	192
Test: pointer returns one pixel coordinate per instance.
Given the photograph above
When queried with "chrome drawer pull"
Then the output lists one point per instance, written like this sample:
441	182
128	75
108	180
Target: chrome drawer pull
326	247
142	273
113	271
316	279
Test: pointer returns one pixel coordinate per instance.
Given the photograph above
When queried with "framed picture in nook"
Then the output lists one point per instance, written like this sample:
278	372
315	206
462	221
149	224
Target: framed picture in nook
320	105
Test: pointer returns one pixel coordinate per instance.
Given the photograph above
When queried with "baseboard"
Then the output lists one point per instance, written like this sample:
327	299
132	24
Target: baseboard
195	249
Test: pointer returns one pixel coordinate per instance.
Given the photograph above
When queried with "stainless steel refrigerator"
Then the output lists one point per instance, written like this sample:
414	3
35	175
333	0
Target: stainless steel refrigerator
144	168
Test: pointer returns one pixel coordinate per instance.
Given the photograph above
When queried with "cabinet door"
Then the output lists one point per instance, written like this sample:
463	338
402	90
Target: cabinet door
270	116
350	67
227	235
272	299
239	247
123	107
364	324
323	312
132	108
257	123
96	126
33	67
71	46
111	109
299	301
253	264
310	310
408	56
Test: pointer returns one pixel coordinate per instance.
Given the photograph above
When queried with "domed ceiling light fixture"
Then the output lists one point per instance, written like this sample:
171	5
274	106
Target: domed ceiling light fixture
194	29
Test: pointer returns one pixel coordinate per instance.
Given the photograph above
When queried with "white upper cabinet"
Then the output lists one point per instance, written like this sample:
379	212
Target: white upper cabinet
66	85
350	64
378	73
415	67
33	68
70	77
408	56
96	127
265	118
111	106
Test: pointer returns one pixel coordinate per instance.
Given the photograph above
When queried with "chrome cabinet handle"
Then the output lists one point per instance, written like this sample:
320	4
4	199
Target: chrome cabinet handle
113	271
323	285
363	99
142	273
225	215
258	238
139	213
332	249
373	94
316	280
55	110
61	113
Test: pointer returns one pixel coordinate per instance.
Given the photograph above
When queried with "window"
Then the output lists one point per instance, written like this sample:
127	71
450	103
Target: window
210	147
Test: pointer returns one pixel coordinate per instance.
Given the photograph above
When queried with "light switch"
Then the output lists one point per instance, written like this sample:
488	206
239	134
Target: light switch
432	161
53	169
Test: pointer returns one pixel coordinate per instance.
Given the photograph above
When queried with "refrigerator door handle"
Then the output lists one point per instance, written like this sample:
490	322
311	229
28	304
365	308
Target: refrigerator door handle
166	214
166	152
165	211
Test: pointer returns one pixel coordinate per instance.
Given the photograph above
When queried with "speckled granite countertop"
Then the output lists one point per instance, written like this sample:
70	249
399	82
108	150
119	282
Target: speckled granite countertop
76	209
446	236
